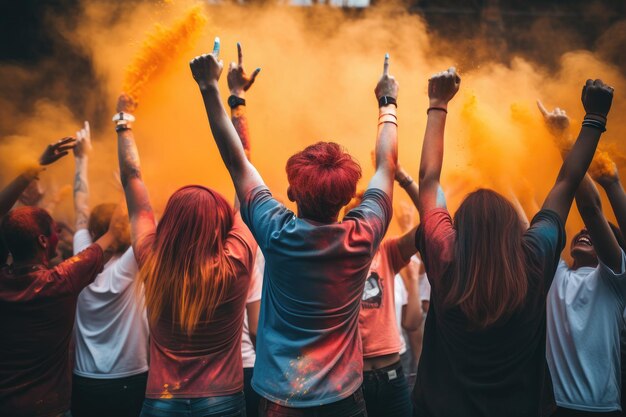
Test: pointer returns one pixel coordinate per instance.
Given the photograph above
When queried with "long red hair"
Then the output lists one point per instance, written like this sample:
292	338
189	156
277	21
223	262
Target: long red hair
187	270
489	279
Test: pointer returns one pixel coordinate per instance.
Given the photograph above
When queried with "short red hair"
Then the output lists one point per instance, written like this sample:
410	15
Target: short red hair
322	179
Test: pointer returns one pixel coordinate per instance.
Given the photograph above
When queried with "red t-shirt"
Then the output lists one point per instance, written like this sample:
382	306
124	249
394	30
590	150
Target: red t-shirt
377	318
207	363
37	307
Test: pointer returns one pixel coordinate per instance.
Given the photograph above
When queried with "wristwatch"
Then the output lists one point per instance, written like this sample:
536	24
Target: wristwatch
386	100
234	101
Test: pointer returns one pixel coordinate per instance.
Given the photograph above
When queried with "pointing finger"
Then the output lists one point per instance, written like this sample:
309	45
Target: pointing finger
239	54
216	47
542	109
386	65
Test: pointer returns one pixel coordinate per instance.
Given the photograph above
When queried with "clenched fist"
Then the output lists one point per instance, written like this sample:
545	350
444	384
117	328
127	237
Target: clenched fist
597	98
442	87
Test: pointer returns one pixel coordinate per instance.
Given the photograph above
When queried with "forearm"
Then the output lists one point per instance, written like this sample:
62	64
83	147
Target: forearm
128	156
240	122
432	159
81	193
105	241
226	137
387	142
617	198
413	313
410	186
12	192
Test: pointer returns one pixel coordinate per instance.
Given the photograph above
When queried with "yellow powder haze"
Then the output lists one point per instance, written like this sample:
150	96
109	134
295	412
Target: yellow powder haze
319	69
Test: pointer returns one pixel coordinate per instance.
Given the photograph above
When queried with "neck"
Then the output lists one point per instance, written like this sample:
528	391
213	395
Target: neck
581	263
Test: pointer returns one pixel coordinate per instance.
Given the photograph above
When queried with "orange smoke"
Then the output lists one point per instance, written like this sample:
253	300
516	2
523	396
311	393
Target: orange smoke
160	46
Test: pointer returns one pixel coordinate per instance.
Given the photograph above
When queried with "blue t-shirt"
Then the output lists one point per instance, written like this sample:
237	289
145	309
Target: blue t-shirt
308	343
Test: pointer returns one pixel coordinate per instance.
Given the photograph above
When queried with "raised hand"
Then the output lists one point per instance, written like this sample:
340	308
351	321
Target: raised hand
126	104
83	141
56	151
442	87
387	85
238	80
556	121
597	98
206	69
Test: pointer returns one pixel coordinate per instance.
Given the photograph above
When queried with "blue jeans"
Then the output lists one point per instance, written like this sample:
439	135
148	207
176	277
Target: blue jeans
353	406
226	406
386	392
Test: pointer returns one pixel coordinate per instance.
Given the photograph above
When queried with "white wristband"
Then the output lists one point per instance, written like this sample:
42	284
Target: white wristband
121	116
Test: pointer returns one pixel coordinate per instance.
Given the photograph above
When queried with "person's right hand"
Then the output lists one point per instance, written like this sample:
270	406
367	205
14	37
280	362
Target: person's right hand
206	69
442	87
238	80
387	85
83	141
597	98
56	151
126	104
556	121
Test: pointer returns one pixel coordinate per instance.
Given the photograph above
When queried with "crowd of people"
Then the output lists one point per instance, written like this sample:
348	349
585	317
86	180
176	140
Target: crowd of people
221	309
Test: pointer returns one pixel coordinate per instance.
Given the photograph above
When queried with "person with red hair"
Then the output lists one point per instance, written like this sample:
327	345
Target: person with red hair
195	267
309	359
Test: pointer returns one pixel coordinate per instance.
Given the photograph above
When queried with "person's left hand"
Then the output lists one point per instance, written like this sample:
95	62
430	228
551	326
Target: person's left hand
206	69
238	80
56	151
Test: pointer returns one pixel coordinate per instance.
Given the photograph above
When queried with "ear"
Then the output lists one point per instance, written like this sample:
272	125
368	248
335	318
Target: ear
290	195
42	241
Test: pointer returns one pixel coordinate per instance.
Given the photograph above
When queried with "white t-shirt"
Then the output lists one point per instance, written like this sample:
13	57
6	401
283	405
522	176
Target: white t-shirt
254	294
401	297
584	317
111	329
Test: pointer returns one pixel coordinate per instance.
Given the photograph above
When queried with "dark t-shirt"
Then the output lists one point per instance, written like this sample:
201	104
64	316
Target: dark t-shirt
499	371
37	308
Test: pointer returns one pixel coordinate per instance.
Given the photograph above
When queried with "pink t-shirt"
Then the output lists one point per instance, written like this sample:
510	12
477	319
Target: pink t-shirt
207	363
377	318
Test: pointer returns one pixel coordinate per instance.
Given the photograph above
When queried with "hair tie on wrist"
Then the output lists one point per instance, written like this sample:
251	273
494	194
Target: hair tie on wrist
603	117
437	108
596	124
388	121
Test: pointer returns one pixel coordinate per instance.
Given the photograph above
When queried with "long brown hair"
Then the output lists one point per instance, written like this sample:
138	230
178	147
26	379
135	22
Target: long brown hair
187	270
489	280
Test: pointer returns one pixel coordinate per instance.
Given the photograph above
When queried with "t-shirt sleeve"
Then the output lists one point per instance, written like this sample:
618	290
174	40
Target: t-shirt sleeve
393	255
615	278
80	270
241	244
263	214
82	239
126	266
256	283
544	241
375	209
434	240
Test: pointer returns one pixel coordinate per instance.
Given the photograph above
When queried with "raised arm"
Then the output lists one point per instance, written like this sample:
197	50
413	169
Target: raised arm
386	150
11	193
81	182
596	99
412	313
140	211
587	197
206	70
617	197
442	87
238	83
